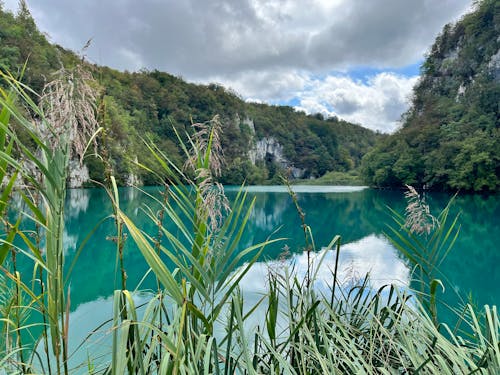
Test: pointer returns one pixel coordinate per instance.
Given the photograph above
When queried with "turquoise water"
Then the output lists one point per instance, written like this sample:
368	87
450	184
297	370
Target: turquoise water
359	215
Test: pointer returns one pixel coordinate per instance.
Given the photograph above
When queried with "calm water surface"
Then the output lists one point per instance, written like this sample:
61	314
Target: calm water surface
359	215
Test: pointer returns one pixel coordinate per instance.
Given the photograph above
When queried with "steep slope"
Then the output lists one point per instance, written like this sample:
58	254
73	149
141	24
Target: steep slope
260	141
450	138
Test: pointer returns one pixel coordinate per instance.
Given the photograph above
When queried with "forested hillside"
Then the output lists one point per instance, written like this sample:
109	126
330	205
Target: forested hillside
260	141
450	138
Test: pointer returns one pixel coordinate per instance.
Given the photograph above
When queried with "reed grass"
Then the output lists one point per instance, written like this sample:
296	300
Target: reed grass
198	321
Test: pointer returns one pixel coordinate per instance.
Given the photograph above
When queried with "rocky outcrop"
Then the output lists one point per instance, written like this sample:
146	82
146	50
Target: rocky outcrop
270	150
299	173
78	174
494	66
249	122
133	180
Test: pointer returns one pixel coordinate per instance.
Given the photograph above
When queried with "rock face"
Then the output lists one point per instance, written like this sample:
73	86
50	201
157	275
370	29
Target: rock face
133	180
249	122
270	150
494	66
78	174
267	148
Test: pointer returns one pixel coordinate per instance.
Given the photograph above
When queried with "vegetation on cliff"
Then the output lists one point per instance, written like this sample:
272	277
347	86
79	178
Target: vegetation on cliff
450	138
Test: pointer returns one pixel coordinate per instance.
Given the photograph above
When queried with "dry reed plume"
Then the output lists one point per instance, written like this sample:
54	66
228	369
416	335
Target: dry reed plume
419	219
69	106
207	139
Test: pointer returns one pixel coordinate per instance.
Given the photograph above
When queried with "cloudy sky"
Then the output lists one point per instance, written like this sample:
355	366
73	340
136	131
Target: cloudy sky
357	59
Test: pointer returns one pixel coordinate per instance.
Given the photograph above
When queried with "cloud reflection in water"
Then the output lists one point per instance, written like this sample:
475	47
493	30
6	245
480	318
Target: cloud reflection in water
372	254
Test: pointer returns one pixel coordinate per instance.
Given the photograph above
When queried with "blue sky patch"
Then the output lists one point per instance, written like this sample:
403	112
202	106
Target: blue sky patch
364	73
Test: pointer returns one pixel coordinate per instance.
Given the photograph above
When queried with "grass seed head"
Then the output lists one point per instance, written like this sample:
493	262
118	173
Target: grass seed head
69	106
419	219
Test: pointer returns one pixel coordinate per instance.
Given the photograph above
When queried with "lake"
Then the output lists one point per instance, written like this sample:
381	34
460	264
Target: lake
358	214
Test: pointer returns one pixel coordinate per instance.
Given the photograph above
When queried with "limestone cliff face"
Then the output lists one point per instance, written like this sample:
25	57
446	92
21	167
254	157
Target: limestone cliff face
78	174
249	122
494	65
269	149
464	61
133	180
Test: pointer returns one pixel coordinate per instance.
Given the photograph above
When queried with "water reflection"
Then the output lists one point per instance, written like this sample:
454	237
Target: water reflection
371	255
357	214
91	334
269	211
77	202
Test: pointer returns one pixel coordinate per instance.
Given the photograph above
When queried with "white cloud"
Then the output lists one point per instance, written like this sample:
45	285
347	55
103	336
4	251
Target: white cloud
371	254
198	38
377	103
267	50
265	85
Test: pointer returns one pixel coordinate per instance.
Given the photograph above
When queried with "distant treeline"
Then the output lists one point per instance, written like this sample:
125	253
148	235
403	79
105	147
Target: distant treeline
449	139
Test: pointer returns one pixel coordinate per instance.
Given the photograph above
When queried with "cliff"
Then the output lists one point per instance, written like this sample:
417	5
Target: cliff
450	138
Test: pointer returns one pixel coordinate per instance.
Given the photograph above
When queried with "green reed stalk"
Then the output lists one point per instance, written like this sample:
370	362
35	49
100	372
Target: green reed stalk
56	193
112	188
157	245
35	198
6	150
425	241
308	240
120	237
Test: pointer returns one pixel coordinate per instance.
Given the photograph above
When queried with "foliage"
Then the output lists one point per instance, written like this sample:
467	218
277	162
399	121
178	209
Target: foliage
351	178
65	123
450	137
425	241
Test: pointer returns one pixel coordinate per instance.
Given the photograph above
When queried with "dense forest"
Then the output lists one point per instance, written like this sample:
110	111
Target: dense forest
260	141
450	138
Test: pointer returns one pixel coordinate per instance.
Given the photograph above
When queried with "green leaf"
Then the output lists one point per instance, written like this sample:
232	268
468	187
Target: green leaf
7	243
153	260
